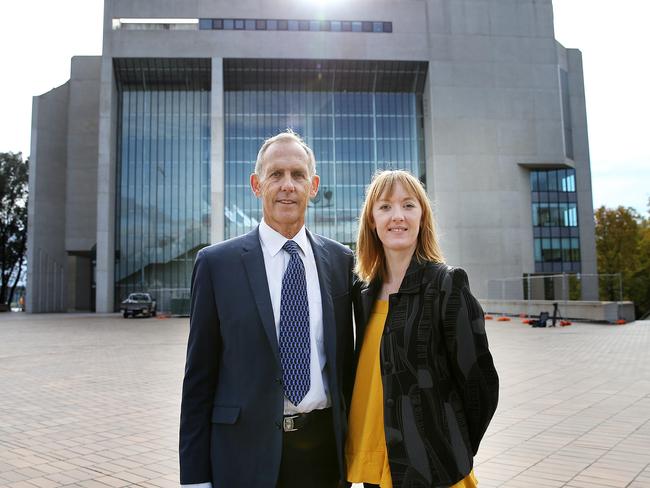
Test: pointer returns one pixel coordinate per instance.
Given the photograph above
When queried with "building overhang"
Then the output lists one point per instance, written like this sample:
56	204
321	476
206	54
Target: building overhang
532	165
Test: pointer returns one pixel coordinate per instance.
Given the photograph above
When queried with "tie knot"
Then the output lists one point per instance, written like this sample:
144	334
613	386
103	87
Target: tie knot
291	247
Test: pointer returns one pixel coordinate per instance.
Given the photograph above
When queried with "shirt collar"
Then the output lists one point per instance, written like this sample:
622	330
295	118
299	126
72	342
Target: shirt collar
273	241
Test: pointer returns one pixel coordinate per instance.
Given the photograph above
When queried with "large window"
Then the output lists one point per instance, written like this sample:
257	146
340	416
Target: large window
163	187
296	25
353	133
555	221
555	214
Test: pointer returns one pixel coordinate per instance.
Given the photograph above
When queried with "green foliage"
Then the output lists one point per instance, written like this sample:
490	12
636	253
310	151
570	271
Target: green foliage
623	246
13	222
641	278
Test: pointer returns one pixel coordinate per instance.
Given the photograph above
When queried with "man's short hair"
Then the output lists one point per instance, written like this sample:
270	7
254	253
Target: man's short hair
286	136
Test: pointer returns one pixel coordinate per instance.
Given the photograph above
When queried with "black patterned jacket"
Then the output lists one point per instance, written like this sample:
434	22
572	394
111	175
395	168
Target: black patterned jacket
440	384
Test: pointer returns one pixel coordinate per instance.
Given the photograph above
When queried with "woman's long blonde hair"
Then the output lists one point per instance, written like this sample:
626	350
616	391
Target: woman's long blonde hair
371	260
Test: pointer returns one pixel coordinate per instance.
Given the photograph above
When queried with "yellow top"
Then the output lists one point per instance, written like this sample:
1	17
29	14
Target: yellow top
365	450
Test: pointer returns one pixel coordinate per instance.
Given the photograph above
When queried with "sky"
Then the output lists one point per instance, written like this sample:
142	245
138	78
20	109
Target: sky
38	38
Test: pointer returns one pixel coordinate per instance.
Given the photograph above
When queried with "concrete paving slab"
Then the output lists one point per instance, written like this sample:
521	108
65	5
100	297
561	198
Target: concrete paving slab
92	400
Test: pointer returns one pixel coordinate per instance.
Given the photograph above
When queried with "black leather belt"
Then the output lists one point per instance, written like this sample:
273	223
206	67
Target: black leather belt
291	423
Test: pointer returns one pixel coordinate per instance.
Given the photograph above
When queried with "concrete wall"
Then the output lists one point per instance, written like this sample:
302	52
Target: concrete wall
583	171
81	185
63	175
583	310
495	108
79	282
81	180
406	41
46	256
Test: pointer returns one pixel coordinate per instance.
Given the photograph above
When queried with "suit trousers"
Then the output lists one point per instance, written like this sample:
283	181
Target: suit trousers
309	454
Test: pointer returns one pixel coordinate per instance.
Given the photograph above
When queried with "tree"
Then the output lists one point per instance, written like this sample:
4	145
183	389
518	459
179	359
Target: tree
617	236
13	222
623	246
641	278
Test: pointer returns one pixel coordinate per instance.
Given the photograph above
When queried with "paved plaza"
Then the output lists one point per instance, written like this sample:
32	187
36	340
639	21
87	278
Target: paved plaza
93	401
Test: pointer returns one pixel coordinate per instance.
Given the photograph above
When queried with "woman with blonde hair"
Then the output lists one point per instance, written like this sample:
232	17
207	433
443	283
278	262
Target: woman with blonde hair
426	387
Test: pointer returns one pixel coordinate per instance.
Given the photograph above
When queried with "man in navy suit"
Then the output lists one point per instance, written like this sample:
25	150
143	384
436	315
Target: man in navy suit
269	356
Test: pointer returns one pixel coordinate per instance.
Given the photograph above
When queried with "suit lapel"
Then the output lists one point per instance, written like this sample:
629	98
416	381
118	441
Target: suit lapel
253	260
323	266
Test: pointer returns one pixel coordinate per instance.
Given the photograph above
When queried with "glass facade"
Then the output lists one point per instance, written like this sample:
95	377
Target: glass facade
353	133
555	221
163	184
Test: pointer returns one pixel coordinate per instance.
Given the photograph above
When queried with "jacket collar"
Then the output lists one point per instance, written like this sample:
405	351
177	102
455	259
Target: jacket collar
413	279
253	261
414	276
273	241
411	284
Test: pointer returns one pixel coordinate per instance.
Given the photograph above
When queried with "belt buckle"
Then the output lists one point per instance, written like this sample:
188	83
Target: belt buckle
287	423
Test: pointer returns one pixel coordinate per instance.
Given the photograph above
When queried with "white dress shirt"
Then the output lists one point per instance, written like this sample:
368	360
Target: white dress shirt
275	263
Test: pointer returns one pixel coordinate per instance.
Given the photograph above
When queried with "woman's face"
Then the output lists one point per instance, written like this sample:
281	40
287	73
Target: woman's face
397	219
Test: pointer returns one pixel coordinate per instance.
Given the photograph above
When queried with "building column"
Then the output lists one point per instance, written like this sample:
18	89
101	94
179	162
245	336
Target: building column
217	152
427	108
106	168
31	302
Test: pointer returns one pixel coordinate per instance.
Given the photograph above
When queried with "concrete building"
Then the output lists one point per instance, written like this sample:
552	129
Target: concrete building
143	156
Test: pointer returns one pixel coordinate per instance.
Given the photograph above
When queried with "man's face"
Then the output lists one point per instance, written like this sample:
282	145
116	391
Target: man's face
285	187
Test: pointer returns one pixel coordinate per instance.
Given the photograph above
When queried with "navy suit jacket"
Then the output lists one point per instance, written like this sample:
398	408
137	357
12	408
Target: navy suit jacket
233	400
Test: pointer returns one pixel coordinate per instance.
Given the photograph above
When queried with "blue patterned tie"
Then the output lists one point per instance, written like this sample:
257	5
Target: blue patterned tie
294	327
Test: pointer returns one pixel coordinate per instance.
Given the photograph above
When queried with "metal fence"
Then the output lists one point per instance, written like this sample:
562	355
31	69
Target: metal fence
175	301
558	287
594	297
